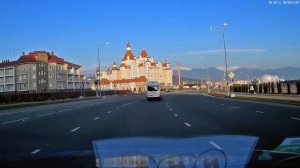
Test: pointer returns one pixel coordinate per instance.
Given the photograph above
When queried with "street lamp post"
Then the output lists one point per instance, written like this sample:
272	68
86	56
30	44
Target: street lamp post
225	54
99	81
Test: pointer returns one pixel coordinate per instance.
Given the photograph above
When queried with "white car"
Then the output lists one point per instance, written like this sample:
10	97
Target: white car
153	90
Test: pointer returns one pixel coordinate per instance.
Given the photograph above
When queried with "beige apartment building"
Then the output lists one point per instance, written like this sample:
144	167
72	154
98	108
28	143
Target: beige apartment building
41	71
134	72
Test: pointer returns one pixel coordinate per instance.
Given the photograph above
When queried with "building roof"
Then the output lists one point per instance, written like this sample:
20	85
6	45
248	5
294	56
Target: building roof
71	64
56	59
139	79
7	63
128	53
144	53
26	59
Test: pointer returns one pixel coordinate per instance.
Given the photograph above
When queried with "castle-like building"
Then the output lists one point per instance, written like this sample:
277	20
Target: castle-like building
134	72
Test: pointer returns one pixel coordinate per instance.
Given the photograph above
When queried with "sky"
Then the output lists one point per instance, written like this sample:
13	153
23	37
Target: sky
258	35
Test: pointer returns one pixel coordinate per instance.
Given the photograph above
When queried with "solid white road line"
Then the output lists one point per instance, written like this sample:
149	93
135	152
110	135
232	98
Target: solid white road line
215	145
44	114
75	129
176	115
96	118
187	124
295	118
259	112
22	119
108	112
35	151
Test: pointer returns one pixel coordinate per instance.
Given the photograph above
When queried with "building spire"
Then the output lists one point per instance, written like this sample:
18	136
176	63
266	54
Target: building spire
128	47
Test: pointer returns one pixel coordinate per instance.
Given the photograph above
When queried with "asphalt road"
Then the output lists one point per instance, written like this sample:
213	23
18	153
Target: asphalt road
73	126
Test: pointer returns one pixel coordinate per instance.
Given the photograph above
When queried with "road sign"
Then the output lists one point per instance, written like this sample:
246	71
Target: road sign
231	75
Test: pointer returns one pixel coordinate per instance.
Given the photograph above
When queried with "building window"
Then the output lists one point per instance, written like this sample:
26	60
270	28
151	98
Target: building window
50	76
33	84
33	76
33	67
24	68
50	68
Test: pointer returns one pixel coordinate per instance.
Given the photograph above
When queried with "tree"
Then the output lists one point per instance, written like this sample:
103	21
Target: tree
289	87
298	86
272	87
278	87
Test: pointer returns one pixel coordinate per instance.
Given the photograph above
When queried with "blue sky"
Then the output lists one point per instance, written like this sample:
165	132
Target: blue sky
258	34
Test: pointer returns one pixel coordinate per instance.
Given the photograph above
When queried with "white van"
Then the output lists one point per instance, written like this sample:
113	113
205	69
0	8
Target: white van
153	90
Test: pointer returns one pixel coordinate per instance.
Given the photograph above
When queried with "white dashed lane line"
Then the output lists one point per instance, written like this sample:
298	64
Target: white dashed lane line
96	118
187	124
35	151
261	112
64	110
236	107
22	119
222	104
108	112
40	115
295	118
176	115
170	109
75	129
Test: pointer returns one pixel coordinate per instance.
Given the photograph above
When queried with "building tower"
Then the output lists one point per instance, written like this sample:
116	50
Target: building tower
179	78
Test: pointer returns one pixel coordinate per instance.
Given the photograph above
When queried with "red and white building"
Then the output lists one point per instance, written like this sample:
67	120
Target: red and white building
134	72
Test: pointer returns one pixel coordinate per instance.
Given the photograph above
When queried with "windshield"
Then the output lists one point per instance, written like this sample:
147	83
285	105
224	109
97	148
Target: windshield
150	83
153	88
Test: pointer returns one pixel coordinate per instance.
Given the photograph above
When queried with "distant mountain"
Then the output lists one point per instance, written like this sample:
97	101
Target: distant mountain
288	73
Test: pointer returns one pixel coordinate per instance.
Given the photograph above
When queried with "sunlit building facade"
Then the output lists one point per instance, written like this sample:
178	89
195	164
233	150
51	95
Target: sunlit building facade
134	72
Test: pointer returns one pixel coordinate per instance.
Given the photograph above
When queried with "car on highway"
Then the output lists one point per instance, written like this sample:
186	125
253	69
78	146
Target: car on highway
153	91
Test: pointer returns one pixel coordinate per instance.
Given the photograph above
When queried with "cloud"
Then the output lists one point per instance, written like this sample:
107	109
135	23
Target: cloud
183	68
230	68
232	50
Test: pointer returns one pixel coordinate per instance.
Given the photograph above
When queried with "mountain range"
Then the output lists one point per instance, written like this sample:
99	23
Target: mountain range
286	73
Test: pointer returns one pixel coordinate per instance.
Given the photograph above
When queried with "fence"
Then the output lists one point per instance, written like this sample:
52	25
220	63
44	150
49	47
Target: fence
14	97
286	87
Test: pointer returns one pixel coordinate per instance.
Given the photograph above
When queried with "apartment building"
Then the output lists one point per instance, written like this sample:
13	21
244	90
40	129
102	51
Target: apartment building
7	76
41	71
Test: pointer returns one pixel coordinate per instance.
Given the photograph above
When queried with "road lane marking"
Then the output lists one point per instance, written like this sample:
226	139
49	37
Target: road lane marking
187	124
64	110
170	109
295	118
108	112
222	104
212	102
96	118
259	112
35	151
176	115
75	129
215	145
236	107
8	122
44	114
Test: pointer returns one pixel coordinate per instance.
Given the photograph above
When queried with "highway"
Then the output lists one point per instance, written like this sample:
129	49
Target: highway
73	126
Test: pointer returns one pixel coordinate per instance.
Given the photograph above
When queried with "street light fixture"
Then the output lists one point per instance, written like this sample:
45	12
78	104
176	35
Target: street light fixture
99	79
